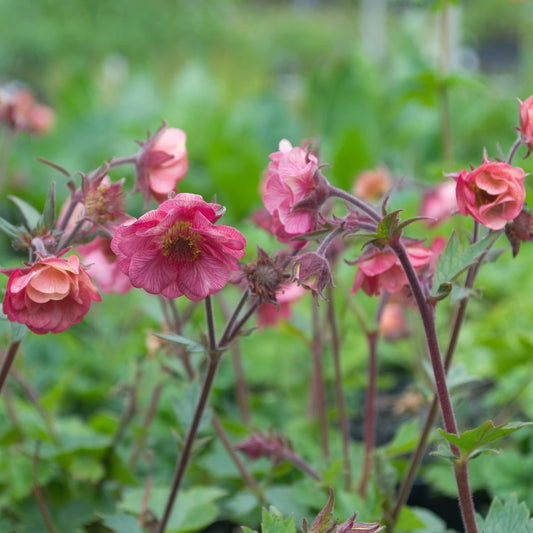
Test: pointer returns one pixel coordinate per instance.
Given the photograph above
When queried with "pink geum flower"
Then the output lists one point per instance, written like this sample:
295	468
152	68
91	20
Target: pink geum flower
50	295
371	185
269	314
492	193
294	190
161	163
381	269
526	123
103	266
439	203
176	249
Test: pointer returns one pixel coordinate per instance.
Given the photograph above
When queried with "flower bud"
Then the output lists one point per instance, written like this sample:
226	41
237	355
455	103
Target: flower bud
312	271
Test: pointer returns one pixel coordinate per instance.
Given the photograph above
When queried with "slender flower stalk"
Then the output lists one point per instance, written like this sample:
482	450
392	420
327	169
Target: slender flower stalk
339	393
514	148
466	502
356	202
7	362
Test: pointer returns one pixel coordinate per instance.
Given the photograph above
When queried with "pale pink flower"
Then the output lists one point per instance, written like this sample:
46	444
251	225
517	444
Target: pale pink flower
439	203
526	122
381	269
294	190
269	314
372	184
162	163
392	324
50	295
492	193
103	266
177	250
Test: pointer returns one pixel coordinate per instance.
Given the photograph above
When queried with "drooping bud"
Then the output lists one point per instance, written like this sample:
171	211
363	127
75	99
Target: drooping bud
520	230
312	271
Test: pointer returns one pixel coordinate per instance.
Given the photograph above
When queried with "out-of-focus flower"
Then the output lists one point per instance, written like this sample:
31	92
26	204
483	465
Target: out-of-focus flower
520	230
50	295
269	314
103	266
381	269
20	112
439	203
526	122
492	193
104	201
294	191
392	322
312	271
177	250
371	185
161	163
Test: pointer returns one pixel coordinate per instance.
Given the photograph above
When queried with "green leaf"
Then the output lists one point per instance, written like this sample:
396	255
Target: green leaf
408	520
273	522
30	214
18	331
472	440
405	440
121	523
453	261
506	515
192	346
9	229
48	218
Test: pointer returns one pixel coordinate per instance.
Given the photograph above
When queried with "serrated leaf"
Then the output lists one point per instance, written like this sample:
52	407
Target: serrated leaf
192	346
453	261
121	523
273	522
389	225
473	439
30	214
507	515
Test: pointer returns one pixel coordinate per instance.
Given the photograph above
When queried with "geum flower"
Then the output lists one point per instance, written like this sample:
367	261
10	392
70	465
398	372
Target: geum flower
177	250
161	163
103	265
294	191
50	295
381	269
492	193
439	203
526	123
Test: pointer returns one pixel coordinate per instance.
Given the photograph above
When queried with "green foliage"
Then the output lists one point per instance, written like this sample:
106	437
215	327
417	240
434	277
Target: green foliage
507	515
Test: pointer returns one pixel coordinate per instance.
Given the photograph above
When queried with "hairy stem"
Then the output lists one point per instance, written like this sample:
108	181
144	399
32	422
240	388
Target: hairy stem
7	362
359	204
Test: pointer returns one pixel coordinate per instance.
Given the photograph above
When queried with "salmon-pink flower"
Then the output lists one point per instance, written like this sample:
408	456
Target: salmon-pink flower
526	122
492	193
177	250
269	314
372	184
162	163
294	190
439	203
103	266
50	295
392	324
381	269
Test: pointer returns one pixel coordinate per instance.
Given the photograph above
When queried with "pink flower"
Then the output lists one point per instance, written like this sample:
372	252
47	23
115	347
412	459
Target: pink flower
50	295
177	250
372	184
294	190
103	266
269	314
526	122
162	163
382	269
439	203
492	193
392	321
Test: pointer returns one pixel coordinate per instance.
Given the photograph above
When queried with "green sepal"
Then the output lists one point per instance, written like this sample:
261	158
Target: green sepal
30	214
192	346
48	217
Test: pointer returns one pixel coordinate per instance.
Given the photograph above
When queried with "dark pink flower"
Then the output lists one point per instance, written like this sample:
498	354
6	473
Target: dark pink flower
177	250
492	193
50	295
439	203
526	122
103	266
162	163
381	269
294	190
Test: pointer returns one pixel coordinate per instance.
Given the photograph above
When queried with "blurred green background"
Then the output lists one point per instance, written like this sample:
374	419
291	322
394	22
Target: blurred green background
373	82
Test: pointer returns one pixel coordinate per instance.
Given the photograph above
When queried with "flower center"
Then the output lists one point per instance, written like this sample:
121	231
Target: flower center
180	244
483	197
